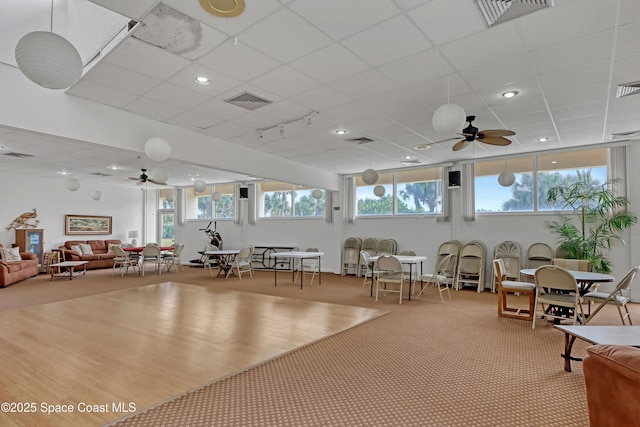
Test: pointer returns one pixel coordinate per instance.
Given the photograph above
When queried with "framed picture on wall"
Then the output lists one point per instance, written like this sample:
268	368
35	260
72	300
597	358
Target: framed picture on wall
86	224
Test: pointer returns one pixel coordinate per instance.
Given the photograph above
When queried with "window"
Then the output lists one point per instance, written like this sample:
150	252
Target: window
535	175
225	207
167	198
198	205
305	205
276	199
406	192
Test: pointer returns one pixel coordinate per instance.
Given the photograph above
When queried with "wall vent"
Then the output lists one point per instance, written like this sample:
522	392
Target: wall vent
625	135
361	140
627	89
18	155
248	100
497	11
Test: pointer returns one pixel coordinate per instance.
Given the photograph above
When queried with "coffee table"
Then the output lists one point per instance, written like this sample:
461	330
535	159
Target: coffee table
611	335
70	267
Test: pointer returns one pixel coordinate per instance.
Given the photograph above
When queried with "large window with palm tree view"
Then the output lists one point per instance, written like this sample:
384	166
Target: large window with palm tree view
282	200
534	176
204	206
415	191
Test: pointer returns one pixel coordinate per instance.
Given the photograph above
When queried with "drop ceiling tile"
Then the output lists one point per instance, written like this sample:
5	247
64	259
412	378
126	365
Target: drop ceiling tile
577	76
579	122
145	59
226	130
320	99
290	37
171	94
194	119
239	61
102	94
417	68
436	17
629	11
220	83
340	19
367	84
376	47
153	109
284	110
499	73
330	63
285	81
626	69
109	75
219	108
572	95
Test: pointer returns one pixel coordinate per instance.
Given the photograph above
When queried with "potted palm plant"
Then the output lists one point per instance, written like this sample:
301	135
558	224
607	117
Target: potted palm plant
596	223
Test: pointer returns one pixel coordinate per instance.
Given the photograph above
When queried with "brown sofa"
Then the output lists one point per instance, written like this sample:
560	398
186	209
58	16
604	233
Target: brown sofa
101	257
12	272
612	378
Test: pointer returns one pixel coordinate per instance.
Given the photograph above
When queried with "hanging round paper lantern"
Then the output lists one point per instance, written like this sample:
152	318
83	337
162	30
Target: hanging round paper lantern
379	190
370	176
48	60
157	149
96	195
317	194
199	186
506	179
159	174
73	184
170	197
448	118
216	196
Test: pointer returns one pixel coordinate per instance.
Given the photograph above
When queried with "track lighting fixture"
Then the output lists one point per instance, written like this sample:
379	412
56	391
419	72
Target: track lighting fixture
281	126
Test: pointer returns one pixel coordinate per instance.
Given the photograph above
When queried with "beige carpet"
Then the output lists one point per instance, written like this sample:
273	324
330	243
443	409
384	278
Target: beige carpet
424	364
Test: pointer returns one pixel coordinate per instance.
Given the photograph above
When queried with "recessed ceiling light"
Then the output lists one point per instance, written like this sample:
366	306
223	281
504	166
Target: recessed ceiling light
510	94
63	172
553	162
407	157
543	139
114	167
202	80
422	147
340	132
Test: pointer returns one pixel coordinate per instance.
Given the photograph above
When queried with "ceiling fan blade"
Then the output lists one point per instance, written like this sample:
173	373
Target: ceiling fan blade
157	182
461	144
498	140
497	132
134	179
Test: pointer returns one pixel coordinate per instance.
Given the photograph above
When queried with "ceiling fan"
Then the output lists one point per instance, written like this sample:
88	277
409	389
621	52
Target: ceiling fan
145	178
491	137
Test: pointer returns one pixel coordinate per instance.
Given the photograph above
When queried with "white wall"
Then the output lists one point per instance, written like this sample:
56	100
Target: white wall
53	201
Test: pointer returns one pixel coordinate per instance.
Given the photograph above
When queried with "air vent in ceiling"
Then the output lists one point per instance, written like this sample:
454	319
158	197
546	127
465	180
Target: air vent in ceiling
248	100
361	140
100	174
497	11
18	155
625	135
627	89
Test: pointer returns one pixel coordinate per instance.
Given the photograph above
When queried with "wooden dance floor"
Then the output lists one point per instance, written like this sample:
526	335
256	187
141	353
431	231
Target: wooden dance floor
96	359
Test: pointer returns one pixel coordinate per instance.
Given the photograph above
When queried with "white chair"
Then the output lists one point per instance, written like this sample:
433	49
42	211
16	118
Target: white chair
367	269
351	255
556	287
389	271
151	254
471	266
172	258
308	265
512	287
123	261
616	297
438	279
242	262
511	255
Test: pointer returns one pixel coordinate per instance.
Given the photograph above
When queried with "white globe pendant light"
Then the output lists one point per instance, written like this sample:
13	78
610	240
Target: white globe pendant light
216	196
317	194
448	118
170	197
48	60
506	179
199	186
157	149
73	184
370	176
159	174
96	195
379	190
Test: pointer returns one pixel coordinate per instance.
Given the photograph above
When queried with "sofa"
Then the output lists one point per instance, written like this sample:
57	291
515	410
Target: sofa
15	271
101	257
612	379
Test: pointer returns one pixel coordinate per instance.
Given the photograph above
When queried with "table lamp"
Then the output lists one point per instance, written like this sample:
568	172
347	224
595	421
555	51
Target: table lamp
133	235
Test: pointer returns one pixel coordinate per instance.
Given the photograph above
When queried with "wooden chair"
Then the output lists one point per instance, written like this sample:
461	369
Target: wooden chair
512	287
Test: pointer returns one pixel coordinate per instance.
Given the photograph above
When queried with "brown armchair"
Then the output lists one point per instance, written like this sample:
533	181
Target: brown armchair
612	378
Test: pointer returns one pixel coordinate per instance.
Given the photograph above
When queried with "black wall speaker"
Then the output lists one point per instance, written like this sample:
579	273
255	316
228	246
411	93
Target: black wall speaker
244	192
454	179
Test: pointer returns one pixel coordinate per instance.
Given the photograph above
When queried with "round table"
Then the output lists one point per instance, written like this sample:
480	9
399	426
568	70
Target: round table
585	279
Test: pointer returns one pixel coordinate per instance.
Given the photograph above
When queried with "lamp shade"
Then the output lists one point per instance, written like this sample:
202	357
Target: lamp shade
448	118
199	186
370	176
216	196
170	197
317	194
379	190
506	179
48	60
96	195
73	184
157	149
159	174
